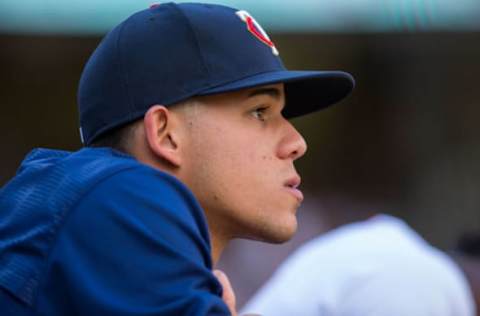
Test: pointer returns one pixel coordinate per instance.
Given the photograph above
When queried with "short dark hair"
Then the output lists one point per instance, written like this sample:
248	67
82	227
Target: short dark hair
118	138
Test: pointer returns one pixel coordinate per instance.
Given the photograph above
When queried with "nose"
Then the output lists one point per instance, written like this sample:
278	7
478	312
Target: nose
293	145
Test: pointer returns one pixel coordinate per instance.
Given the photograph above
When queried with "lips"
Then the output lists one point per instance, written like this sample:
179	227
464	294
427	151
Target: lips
292	185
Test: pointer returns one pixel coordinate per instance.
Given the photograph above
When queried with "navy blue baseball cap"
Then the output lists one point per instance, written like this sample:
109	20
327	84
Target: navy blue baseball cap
171	52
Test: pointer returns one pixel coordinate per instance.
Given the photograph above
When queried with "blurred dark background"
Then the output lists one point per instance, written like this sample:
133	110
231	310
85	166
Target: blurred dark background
406	142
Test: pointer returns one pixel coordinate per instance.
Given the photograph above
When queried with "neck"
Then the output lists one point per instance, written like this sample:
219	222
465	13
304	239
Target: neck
218	242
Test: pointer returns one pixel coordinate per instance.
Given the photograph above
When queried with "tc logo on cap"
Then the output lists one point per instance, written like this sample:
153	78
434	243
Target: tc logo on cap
257	30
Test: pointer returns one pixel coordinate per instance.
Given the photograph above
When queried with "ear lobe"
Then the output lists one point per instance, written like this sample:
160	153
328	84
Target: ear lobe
160	131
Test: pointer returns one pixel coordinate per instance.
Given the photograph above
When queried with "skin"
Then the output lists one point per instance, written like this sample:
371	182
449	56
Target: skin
228	295
236	153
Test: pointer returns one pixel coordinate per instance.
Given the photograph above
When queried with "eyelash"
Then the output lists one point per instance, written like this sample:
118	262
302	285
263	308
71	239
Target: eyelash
259	113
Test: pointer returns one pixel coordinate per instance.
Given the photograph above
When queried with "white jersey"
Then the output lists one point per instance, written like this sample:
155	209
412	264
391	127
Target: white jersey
378	267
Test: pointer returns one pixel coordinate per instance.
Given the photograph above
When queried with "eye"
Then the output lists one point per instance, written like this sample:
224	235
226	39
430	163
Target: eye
259	113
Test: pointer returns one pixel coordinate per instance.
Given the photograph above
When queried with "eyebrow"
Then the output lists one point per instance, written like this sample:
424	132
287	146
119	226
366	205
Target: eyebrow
273	92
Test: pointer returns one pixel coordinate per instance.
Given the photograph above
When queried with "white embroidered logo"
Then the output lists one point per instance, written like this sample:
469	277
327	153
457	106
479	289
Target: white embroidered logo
256	29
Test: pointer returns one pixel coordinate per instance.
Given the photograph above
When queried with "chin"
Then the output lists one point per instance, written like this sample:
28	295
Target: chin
276	233
277	240
280	238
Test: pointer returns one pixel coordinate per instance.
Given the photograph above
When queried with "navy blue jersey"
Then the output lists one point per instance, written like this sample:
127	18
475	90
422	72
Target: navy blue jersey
95	232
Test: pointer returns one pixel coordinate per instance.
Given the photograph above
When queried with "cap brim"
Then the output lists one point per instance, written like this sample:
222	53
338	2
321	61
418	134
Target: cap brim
305	91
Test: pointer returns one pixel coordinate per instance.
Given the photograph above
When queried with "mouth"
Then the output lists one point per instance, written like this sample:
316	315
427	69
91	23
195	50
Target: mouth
292	185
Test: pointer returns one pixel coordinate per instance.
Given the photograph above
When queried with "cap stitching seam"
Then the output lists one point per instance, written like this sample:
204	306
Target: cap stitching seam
121	69
197	44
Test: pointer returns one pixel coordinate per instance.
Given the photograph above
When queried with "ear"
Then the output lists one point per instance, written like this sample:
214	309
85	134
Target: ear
161	131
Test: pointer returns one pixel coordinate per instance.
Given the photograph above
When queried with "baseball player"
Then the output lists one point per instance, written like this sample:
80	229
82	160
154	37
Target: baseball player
183	114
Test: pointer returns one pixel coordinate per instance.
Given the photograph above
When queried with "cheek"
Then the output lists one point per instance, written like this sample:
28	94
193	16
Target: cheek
233	153
246	185
234	167
231	170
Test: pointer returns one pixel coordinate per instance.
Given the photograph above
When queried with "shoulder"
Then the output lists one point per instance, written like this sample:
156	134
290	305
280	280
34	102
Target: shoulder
148	200
102	177
140	190
95	217
138	236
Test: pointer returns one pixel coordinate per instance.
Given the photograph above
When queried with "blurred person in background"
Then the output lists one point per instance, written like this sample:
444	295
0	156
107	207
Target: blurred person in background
377	266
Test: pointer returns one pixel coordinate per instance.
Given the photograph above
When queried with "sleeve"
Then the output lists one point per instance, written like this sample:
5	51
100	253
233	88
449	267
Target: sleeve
136	244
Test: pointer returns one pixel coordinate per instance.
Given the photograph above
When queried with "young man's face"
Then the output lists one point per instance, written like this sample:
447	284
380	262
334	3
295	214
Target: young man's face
239	163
